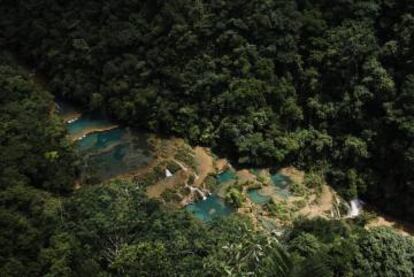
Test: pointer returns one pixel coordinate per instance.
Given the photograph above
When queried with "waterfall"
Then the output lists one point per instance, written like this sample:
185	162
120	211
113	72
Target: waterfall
355	208
168	173
202	194
194	189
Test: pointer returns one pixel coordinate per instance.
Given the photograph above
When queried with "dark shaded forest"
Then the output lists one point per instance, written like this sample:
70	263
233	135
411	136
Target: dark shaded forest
37	169
326	85
317	84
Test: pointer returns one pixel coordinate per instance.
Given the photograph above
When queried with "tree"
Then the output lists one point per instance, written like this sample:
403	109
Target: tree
385	253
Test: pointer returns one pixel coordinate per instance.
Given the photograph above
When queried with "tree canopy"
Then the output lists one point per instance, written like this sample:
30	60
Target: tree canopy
318	84
37	167
311	83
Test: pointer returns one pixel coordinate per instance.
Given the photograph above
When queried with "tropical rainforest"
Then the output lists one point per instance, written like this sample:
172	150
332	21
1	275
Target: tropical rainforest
323	85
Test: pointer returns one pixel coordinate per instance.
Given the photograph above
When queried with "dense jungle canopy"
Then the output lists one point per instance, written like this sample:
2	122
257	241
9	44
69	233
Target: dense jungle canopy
319	84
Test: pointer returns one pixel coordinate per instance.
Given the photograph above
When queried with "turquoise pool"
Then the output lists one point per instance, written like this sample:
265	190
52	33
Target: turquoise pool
280	181
226	176
120	159
257	197
85	123
110	153
280	185
100	140
210	208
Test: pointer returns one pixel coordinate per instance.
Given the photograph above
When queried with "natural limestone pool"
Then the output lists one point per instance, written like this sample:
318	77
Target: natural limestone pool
107	150
100	140
86	123
279	186
226	176
210	208
257	197
213	206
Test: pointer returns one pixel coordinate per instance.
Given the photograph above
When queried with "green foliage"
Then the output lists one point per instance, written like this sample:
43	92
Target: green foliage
245	252
170	195
297	189
314	180
210	182
384	253
306	82
278	209
235	196
37	166
121	232
172	166
334	248
185	155
33	145
313	83
151	177
319	84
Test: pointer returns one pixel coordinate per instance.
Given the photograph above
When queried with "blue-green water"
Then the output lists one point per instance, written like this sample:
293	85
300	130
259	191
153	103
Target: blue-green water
280	185
100	140
257	197
85	123
213	206
120	159
281	182
226	176
110	153
210	208
115	152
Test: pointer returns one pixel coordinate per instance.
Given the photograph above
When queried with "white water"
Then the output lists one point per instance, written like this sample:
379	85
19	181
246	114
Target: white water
355	208
194	189
72	120
81	137
202	194
168	173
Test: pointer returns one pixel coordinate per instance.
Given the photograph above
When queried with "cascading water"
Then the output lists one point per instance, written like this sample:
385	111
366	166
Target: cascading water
194	189
81	137
355	208
72	120
212	207
203	196
168	173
